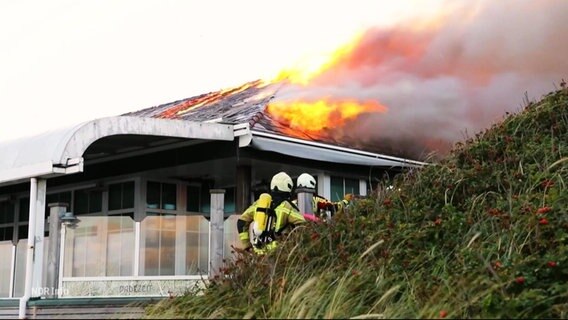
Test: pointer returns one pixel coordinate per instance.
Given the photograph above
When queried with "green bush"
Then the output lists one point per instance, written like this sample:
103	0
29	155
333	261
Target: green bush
483	233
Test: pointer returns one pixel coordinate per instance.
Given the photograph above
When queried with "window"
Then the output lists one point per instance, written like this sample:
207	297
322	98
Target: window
160	236
193	199
87	201
341	186
199	200
161	196
121	196
6	221
100	246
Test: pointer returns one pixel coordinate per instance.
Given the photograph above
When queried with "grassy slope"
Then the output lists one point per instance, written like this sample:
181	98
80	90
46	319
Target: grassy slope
483	233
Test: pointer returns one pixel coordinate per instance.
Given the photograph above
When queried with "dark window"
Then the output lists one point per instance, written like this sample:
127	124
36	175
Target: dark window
351	186
24	210
161	196
6	233
193	195
6	212
336	188
62	197
341	186
229	200
121	196
23	232
86	201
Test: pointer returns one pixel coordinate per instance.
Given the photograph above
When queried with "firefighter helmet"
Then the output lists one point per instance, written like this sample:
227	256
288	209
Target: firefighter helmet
306	181
281	182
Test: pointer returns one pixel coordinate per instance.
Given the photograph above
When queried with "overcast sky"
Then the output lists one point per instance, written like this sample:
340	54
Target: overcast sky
64	62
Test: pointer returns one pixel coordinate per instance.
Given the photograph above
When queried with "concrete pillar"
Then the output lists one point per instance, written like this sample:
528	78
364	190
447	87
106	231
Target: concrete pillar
56	210
216	231
305	197
243	186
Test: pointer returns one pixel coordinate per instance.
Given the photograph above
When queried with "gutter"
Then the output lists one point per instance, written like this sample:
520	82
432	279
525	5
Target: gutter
332	147
30	250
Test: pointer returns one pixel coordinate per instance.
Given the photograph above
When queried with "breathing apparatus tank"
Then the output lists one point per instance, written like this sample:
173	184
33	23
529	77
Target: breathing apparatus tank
264	221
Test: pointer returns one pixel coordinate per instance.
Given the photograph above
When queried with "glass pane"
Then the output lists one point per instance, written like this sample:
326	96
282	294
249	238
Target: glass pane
229	200
5	268
6	233
81	204
115	197
6	212
24	209
336	188
120	248
197	245
128	195
352	186
100	246
205	201
193	198
23	231
95	201
153	195
167	245
169	196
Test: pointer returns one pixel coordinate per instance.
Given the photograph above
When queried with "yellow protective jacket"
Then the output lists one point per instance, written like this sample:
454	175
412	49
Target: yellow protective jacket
287	215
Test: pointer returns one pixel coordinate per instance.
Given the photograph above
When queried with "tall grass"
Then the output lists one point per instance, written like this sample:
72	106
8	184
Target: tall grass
482	233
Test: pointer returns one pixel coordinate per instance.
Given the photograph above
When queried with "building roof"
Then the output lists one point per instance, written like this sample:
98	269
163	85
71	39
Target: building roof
221	115
61	151
248	104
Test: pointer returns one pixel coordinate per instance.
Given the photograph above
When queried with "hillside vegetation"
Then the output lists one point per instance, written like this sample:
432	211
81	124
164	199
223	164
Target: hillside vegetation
482	233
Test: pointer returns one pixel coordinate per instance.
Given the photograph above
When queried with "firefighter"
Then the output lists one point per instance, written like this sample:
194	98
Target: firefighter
269	216
321	205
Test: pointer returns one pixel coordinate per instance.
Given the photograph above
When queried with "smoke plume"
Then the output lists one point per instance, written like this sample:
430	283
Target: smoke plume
447	78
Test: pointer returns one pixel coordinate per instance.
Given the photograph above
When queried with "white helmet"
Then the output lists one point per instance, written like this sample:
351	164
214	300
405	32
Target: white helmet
306	181
282	182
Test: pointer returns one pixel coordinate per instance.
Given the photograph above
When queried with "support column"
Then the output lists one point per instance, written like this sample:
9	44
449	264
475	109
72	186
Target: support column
216	231
305	199
243	188
39	236
56	211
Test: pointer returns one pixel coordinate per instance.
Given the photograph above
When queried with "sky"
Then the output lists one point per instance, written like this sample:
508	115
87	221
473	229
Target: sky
64	62
438	68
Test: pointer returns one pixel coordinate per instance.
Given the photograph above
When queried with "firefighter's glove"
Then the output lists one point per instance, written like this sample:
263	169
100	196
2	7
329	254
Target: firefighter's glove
322	205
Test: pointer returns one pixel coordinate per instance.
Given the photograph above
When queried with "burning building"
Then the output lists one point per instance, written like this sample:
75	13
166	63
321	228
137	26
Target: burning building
140	190
143	185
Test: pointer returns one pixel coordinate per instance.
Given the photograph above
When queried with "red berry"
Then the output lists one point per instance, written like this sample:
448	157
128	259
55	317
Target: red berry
543	210
543	221
551	264
443	313
498	264
520	280
438	221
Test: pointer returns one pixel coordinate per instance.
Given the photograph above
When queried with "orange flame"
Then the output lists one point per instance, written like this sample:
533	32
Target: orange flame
310	66
312	117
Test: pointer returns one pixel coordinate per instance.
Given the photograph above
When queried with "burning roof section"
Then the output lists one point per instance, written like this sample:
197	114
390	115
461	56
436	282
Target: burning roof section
259	104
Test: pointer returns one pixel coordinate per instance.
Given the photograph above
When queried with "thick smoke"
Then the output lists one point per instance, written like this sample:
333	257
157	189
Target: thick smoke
450	78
